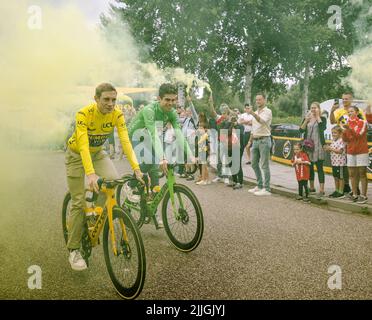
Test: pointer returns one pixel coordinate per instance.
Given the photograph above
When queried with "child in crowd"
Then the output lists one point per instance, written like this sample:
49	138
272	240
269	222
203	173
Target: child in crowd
301	162
235	149
338	161
203	153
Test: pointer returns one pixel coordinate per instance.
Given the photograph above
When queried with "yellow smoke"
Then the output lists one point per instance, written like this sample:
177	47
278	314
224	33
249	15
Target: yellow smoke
42	68
361	60
360	78
179	75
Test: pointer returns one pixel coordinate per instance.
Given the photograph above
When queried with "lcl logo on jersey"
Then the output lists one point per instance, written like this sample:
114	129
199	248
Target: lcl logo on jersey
107	125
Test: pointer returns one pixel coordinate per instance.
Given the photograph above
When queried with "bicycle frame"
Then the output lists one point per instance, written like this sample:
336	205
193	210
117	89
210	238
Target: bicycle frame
151	207
102	216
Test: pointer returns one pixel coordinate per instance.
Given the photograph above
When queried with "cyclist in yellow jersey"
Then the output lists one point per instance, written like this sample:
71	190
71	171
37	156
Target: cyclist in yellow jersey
84	156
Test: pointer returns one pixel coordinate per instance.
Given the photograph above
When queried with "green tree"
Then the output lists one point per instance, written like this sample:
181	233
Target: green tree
316	47
244	46
231	44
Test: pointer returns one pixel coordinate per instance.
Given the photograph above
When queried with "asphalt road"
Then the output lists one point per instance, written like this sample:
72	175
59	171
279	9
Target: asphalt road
253	248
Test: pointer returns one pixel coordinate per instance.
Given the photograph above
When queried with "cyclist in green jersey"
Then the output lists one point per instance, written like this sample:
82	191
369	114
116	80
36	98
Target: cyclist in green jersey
146	133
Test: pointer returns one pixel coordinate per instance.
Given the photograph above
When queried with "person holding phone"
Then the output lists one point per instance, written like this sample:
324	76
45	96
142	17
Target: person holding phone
260	141
340	116
313	127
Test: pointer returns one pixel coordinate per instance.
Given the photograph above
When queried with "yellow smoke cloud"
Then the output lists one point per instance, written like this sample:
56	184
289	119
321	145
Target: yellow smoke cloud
42	67
360	77
361	60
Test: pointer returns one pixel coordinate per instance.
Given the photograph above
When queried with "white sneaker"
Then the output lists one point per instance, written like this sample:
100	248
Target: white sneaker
76	261
159	221
129	193
216	179
262	192
226	181
202	183
255	189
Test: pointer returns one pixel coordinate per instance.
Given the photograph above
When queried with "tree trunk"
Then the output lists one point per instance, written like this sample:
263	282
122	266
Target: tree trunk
248	77
305	95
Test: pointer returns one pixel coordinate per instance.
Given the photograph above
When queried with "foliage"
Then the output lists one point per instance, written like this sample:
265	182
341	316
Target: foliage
219	40
289	119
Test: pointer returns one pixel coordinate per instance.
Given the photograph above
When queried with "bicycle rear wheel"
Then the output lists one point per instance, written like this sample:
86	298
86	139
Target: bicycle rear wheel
133	208
127	269
120	194
185	228
65	211
86	247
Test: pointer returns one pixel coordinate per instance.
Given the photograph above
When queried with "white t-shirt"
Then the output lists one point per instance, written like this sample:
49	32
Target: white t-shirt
262	129
246	117
338	159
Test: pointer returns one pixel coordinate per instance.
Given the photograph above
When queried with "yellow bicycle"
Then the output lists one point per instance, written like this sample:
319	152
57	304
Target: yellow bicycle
122	243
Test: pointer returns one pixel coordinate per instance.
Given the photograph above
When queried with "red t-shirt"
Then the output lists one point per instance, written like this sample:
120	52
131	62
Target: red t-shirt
369	118
302	170
356	137
357	125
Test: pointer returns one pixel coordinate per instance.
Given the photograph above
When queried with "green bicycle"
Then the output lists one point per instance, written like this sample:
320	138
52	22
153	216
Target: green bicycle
181	211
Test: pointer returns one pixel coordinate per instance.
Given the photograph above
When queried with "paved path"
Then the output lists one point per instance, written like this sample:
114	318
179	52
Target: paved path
284	176
253	248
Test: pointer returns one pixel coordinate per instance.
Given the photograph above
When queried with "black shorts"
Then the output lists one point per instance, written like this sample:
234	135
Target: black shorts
247	136
339	172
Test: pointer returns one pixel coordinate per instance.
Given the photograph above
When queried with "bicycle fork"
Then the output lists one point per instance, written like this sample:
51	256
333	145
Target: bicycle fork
110	204
171	182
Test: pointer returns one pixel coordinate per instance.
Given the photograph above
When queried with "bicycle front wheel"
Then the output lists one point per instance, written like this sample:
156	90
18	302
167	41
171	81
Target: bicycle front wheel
184	224
127	268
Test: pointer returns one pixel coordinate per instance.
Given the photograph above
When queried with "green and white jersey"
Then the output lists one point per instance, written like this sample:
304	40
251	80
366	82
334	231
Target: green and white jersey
153	119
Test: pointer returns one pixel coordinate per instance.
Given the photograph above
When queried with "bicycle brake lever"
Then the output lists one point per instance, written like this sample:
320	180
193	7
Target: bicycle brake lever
95	194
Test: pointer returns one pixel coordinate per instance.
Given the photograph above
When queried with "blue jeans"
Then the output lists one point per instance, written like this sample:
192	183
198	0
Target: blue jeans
260	161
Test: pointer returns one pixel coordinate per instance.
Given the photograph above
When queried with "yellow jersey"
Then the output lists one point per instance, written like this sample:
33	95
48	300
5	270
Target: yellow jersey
92	129
341	115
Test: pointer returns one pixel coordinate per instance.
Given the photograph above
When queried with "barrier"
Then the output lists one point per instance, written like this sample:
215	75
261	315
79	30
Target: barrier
282	152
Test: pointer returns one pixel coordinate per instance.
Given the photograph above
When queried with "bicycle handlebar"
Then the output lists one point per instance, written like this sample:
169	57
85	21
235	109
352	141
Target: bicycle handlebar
172	166
109	184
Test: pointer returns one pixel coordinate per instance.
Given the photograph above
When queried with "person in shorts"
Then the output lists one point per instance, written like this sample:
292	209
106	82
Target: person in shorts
337	151
355	135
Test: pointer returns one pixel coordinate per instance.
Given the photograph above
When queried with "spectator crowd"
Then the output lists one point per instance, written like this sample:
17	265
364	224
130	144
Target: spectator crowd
221	138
